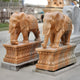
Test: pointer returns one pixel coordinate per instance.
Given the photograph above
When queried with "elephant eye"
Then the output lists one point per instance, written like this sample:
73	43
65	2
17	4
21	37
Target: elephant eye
60	2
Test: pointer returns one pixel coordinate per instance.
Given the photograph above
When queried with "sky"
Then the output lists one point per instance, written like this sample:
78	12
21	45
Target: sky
36	2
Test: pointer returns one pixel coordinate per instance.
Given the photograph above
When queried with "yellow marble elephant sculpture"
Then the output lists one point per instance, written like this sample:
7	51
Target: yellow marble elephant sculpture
21	22
58	27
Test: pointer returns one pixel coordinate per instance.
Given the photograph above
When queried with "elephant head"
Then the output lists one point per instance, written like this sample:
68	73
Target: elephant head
47	24
15	21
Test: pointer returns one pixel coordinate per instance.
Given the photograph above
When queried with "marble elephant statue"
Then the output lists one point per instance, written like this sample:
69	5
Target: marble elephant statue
21	22
58	27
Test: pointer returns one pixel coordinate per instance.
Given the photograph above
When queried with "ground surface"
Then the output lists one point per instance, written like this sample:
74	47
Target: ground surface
4	26
26	73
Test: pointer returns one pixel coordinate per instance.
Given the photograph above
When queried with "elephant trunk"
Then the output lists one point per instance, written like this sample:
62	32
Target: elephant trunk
46	32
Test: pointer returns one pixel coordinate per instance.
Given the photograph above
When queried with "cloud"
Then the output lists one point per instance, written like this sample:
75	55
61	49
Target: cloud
36	2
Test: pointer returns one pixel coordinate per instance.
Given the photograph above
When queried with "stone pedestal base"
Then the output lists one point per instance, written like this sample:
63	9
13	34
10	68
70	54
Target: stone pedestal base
22	52
16	67
55	58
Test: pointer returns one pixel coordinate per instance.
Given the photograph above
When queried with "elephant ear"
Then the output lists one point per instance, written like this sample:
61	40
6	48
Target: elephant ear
59	21
46	28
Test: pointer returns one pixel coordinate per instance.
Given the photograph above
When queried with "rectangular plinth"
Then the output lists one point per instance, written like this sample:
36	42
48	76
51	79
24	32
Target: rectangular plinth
55	58
22	52
16	67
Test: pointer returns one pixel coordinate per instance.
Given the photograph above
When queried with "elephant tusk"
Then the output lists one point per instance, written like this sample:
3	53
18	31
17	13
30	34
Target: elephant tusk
48	32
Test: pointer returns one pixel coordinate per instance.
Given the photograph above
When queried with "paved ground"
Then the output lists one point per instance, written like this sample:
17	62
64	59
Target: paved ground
26	73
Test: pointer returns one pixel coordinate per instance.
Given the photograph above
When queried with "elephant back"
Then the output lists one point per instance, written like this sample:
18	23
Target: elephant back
28	22
32	22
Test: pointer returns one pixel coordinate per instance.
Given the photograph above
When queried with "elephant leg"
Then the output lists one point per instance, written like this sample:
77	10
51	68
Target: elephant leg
57	39
25	36
52	39
63	38
67	37
14	37
36	33
44	44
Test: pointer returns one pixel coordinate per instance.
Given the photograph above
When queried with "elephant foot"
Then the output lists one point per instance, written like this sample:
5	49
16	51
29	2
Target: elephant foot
62	42
67	43
14	42
38	39
55	46
50	45
25	41
43	45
